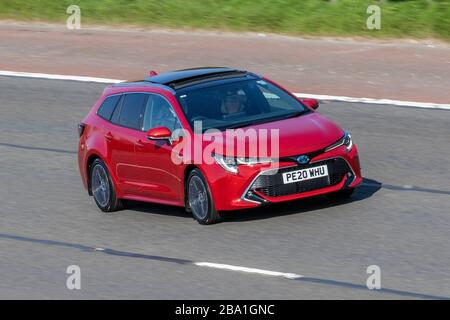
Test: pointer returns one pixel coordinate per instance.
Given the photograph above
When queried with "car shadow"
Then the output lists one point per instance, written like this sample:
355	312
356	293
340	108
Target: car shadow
368	188
155	208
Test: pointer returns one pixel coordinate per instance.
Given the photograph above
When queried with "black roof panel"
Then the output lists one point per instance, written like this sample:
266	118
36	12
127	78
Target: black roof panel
174	80
187	75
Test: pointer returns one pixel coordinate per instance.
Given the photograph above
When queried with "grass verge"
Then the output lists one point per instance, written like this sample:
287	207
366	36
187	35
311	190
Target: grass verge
399	19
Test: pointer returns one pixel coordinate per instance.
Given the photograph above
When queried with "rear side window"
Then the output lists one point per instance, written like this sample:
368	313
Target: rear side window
106	109
132	110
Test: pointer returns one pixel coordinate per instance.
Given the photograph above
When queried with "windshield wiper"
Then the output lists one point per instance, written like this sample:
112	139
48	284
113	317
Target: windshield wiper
296	114
265	120
255	122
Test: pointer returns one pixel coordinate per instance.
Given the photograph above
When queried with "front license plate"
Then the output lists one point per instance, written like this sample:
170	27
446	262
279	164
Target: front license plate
305	174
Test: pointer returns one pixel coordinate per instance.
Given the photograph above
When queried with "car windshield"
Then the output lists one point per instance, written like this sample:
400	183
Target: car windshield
238	104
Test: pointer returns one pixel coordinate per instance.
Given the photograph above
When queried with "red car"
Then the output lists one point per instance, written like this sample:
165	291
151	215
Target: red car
130	144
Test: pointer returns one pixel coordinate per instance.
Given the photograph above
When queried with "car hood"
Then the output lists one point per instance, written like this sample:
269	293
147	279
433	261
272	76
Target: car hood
303	134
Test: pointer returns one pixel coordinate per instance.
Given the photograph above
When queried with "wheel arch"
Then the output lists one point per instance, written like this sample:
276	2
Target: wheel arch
187	171
89	161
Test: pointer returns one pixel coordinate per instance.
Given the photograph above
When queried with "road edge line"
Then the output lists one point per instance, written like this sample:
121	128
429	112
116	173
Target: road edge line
57	77
413	104
401	103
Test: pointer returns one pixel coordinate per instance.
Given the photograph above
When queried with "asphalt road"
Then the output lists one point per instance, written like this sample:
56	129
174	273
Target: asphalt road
399	219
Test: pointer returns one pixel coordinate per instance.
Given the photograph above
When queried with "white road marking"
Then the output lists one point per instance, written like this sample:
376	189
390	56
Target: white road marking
248	270
426	105
415	104
57	77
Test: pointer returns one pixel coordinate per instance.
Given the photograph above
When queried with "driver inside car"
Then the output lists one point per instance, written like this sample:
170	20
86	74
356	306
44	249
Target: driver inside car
232	104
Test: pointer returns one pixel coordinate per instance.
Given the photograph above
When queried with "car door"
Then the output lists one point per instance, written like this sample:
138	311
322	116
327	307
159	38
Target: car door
160	178
127	122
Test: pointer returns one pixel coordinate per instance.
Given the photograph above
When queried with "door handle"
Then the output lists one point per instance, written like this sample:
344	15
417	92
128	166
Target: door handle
108	136
140	144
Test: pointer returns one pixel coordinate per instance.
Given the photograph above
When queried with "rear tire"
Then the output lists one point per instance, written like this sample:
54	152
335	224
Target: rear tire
102	188
341	194
199	199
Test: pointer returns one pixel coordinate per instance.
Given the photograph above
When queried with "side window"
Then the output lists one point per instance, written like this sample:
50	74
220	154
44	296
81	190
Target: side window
106	109
132	110
159	113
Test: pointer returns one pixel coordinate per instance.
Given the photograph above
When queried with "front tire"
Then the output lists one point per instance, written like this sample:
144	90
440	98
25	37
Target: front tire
199	199
102	188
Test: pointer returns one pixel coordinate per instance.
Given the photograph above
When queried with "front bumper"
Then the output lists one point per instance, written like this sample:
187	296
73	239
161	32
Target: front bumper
258	185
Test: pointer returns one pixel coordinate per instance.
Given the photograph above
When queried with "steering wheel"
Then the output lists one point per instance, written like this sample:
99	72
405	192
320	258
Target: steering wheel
198	118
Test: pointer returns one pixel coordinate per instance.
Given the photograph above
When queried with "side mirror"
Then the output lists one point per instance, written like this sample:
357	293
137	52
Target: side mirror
312	103
160	133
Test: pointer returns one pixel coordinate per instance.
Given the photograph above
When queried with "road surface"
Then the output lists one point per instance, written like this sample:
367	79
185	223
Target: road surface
399	219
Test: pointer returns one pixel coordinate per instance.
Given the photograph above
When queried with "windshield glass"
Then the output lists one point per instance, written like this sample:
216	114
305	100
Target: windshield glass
238	104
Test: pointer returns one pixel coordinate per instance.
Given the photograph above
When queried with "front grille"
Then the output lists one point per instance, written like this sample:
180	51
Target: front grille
273	186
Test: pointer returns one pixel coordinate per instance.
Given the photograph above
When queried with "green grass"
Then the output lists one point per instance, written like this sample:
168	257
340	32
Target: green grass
401	18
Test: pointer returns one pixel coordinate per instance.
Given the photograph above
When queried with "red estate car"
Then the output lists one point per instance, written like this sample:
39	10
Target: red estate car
130	142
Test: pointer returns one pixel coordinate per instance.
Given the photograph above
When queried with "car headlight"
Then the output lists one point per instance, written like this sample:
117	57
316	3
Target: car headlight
228	163
231	164
252	161
346	141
